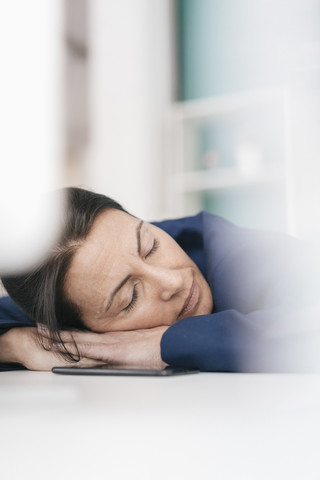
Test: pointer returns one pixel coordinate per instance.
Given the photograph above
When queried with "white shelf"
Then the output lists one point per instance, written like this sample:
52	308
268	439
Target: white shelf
257	162
223	178
228	103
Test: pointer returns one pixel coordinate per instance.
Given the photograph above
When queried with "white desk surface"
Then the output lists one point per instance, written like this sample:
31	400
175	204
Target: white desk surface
203	426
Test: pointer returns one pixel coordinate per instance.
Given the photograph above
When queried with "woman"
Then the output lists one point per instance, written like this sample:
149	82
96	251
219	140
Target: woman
195	292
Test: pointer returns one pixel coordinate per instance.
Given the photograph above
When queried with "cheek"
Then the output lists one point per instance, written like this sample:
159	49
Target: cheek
150	315
179	256
157	314
206	305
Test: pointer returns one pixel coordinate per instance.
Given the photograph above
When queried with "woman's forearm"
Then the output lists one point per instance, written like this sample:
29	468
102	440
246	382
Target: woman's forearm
11	344
22	345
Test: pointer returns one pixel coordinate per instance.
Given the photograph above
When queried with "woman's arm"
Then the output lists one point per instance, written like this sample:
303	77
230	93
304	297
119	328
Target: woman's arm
216	342
134	348
12	336
15	336
8	347
270	340
22	346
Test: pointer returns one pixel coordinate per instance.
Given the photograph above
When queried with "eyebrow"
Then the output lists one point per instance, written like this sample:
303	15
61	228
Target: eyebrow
125	280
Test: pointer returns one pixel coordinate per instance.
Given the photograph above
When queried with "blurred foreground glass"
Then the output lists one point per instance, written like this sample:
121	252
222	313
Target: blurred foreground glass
30	147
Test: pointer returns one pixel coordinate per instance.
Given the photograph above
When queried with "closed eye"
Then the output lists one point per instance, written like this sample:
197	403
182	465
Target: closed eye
133	301
155	247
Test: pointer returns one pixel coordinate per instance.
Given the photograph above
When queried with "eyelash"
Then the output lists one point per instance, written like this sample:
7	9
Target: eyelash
155	247
135	295
134	299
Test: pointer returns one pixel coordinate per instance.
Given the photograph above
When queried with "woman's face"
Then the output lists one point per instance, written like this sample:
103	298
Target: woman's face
129	275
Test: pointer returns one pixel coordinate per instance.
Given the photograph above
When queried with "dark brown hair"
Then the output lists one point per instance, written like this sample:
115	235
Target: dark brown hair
40	292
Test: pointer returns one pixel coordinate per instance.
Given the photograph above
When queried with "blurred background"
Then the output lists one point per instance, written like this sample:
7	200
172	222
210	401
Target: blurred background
169	106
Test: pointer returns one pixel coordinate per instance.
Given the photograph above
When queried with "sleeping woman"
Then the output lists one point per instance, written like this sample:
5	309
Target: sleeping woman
196	292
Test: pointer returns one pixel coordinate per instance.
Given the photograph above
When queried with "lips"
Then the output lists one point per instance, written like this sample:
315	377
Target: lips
191	301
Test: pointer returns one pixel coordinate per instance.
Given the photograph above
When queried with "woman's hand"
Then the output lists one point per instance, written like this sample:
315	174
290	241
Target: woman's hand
135	348
22	345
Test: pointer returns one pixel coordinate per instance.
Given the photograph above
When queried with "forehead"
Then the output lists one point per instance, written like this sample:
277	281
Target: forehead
111	230
110	224
103	253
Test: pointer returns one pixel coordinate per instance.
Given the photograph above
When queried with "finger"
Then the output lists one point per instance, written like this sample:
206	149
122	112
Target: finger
87	362
77	358
98	352
65	336
77	336
82	363
85	337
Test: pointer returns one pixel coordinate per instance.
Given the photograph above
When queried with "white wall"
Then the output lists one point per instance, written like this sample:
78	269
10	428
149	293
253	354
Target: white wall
130	88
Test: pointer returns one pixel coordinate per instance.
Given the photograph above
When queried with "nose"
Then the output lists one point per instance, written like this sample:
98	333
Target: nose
167	282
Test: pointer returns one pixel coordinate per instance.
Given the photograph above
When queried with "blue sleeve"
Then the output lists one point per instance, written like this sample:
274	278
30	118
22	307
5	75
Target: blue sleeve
266	316
206	342
11	316
212	343
275	340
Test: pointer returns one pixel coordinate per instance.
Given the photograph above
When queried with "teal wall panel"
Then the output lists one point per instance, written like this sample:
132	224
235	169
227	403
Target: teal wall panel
233	45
